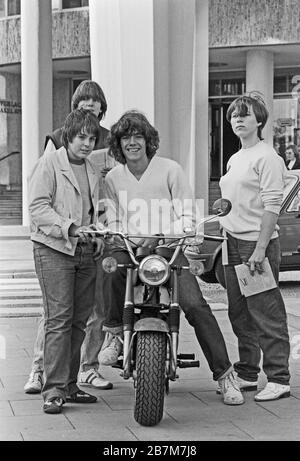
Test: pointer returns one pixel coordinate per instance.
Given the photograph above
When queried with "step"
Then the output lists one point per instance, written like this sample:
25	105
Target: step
18	282
20	312
17	275
14	232
11	221
21	303
13	295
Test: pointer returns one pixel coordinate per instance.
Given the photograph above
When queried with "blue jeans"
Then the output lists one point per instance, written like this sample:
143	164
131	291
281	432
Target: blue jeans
259	321
68	288
94	335
196	309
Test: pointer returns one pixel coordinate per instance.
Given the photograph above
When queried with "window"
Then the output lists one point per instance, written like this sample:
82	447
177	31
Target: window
233	87
2	8
295	204
280	84
227	87
286	124
9	8
74	3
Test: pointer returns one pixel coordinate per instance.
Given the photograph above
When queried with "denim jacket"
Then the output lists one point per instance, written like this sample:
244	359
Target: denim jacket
55	200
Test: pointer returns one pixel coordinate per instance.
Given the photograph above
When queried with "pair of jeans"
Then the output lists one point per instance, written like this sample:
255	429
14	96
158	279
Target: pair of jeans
258	321
196	309
94	335
68	289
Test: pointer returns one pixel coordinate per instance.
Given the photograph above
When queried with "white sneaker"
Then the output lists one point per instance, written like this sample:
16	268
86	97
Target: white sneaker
231	391
35	383
273	391
244	385
93	378
110	353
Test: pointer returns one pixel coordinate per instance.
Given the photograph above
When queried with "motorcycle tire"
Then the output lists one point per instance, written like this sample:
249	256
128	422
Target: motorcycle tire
151	350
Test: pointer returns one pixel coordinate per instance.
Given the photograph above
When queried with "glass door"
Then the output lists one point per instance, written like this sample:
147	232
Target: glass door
224	143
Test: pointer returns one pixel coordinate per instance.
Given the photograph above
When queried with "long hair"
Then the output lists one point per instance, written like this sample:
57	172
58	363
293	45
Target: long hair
130	123
242	104
77	122
88	89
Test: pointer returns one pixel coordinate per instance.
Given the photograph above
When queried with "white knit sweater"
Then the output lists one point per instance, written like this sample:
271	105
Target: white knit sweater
254	183
161	201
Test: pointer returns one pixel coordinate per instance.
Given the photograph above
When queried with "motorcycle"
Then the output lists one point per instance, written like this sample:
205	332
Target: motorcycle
151	314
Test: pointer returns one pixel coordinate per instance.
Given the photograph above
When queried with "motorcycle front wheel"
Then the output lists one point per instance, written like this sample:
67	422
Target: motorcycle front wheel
151	350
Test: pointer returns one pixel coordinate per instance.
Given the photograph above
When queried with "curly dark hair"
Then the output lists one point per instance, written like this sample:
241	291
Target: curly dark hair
242	104
77	122
132	122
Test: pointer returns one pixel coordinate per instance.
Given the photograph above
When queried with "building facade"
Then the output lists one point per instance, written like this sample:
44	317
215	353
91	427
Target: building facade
180	62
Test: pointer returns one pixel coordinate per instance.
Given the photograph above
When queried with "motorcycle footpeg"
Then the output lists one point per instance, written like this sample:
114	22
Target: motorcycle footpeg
186	356
188	364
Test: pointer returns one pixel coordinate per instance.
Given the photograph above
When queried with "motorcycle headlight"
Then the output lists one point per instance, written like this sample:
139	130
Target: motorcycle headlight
154	270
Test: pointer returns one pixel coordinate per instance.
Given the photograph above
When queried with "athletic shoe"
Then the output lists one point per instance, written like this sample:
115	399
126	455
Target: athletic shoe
53	406
109	354
230	390
244	385
81	397
273	391
93	378
35	383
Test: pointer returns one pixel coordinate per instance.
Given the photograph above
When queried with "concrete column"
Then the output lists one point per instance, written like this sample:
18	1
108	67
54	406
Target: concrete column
260	76
201	92
181	86
152	55
36	51
121	37
10	131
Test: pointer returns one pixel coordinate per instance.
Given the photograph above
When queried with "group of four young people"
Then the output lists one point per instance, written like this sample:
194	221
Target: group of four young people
63	204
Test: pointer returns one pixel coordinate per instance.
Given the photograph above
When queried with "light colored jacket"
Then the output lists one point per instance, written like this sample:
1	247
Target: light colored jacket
55	200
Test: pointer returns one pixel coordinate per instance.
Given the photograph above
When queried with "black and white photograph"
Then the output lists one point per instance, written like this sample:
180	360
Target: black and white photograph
149	223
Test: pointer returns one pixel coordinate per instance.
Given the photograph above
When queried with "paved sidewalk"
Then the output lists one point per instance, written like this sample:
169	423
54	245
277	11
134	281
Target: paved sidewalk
193	411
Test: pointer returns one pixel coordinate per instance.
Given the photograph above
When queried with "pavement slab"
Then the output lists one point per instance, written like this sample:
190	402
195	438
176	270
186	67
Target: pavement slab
203	430
32	423
193	411
91	434
6	409
279	430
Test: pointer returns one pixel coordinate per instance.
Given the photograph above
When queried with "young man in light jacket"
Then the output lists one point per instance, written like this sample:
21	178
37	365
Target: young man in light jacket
64	192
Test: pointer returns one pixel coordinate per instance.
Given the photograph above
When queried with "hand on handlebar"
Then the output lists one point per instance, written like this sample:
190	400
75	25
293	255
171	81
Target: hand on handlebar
82	232
148	242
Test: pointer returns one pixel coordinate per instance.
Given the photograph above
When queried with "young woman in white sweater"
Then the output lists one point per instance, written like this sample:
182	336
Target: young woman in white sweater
254	184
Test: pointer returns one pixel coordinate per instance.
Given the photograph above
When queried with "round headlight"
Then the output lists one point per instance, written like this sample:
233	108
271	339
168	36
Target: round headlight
154	270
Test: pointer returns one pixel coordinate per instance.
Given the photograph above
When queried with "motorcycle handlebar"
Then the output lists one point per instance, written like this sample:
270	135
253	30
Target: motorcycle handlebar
109	233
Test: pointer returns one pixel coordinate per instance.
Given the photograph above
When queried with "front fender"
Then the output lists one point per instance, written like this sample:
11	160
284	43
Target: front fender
151	324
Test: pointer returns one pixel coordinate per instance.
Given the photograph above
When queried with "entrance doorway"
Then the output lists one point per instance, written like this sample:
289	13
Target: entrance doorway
224	143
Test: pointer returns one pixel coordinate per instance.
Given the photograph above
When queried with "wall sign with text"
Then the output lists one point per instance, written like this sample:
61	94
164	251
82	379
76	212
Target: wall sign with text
10	107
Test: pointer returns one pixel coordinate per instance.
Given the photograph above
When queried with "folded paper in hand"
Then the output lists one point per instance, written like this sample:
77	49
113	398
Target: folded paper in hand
257	283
